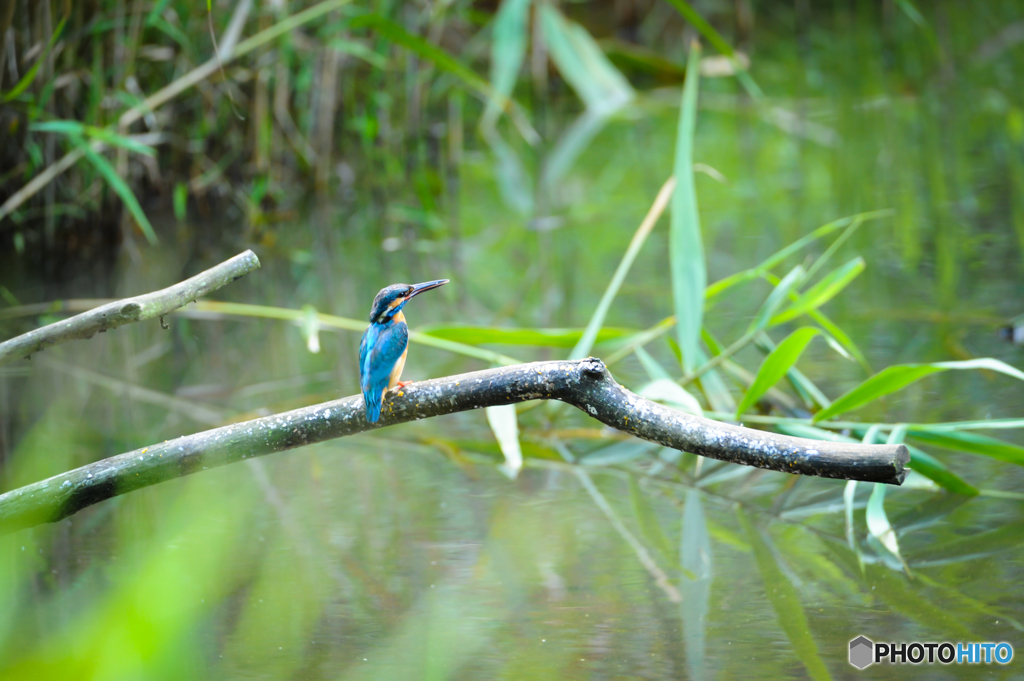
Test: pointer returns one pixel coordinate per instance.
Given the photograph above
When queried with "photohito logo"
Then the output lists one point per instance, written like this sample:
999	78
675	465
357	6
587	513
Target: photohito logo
865	652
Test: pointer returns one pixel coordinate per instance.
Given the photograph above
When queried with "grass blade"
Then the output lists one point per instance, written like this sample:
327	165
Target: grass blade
651	365
834	246
63	127
987	424
30	75
823	291
514	181
359	51
778	257
711	383
586	342
508	48
115	140
977	545
834	331
878	521
104	168
849	498
572	143
914	15
921	462
671	394
422	48
582	63
75	128
776	364
785	601
505	426
719	43
213	309
686	247
776	298
971	442
936	471
901	375
549	338
641	339
310	328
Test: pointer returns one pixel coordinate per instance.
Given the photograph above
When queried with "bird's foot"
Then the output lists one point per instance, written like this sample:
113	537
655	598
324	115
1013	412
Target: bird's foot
402	384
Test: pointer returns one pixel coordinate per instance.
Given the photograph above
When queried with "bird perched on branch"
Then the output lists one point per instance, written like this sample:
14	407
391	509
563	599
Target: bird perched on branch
385	344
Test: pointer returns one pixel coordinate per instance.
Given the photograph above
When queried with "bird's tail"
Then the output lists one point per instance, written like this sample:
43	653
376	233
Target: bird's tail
374	402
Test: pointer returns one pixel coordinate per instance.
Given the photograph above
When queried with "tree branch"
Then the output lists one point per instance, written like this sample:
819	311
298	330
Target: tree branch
585	384
120	312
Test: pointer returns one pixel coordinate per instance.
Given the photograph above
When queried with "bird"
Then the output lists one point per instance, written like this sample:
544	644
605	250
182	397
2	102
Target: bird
385	344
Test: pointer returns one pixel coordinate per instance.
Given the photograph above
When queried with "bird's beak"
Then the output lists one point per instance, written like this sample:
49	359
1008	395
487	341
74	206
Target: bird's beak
425	286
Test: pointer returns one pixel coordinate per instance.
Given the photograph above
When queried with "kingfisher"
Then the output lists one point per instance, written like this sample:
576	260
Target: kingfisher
386	343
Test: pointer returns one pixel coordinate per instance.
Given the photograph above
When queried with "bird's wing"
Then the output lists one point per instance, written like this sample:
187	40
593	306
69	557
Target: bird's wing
378	352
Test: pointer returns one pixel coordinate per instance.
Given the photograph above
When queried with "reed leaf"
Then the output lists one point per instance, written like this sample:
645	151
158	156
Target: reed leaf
775	366
686	246
897	377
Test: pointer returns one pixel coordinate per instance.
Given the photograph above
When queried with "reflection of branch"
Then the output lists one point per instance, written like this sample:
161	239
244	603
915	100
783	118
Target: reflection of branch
118	313
585	384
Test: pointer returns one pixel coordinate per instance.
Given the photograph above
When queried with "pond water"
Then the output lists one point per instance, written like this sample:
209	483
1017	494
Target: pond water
408	554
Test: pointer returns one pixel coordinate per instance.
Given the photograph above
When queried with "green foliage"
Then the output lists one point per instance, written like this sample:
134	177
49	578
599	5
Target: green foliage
582	63
775	299
30	75
422	48
596	323
74	129
895	378
506	431
119	186
686	249
776	365
719	43
973	443
821	292
550	338
508	48
406	554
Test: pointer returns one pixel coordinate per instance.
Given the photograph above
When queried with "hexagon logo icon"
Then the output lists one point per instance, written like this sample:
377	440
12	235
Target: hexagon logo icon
862	651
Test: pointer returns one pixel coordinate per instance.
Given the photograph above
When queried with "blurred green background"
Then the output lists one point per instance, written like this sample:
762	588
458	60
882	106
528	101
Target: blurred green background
514	148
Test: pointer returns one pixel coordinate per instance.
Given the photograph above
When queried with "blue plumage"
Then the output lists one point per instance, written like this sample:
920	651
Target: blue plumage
382	347
385	343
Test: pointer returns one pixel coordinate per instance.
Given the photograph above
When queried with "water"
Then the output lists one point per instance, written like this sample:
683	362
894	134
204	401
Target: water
407	554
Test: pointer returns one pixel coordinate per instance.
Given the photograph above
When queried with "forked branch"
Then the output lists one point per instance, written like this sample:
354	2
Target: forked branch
585	384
